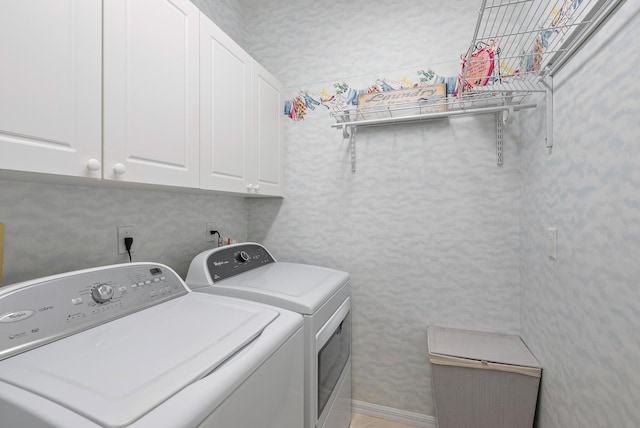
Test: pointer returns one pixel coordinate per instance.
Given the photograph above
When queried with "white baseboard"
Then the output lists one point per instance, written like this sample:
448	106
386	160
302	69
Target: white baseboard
417	420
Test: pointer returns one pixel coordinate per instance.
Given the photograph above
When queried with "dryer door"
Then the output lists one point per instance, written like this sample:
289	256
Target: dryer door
334	344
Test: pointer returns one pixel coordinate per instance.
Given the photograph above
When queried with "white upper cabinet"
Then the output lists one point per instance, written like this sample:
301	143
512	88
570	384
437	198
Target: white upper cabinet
151	91
50	86
142	91
225	111
240	118
267	119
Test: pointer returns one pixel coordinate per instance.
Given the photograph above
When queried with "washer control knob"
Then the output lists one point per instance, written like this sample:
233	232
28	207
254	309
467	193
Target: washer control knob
243	256
102	293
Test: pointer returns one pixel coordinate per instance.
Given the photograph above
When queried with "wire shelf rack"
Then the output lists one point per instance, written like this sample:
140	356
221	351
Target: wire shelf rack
520	41
516	48
474	102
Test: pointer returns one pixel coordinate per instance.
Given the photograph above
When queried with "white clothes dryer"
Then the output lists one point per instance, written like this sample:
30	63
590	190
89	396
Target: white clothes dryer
321	295
131	346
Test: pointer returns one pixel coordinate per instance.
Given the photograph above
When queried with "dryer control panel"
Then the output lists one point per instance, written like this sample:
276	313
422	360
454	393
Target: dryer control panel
40	311
225	262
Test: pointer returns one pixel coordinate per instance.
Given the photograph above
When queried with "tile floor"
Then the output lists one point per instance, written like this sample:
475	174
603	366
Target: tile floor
364	421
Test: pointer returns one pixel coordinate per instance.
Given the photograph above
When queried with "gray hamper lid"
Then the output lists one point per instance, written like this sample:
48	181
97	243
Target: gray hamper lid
478	346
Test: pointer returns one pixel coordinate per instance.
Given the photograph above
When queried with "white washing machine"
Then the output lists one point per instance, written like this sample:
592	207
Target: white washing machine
131	346
321	295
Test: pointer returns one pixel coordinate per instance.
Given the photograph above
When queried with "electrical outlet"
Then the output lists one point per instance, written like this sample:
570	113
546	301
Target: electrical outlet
124	232
209	236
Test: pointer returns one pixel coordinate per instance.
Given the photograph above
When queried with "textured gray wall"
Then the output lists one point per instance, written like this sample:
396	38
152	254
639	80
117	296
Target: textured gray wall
308	42
229	15
580	315
53	228
428	226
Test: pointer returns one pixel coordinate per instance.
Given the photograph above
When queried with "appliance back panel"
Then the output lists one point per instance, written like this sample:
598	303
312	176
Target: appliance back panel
231	261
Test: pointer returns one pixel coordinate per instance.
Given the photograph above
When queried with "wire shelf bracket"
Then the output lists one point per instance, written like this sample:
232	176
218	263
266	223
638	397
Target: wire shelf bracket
499	122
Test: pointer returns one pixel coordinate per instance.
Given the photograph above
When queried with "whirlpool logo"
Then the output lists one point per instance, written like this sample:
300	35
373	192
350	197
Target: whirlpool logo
16	316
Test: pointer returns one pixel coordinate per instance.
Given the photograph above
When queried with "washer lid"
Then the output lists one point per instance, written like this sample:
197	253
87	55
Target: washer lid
294	286
115	373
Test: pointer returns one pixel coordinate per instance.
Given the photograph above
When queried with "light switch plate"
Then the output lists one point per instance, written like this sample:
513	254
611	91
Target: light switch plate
1	249
552	243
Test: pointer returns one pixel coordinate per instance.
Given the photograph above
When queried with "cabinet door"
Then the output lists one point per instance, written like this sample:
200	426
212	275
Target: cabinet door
267	113
50	86
225	111
151	91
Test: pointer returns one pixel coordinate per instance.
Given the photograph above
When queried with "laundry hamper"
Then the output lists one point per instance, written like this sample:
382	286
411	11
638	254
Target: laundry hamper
482	380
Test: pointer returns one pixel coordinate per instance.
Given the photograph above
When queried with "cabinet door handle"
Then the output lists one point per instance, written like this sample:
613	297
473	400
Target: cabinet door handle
119	169
256	188
250	188
93	165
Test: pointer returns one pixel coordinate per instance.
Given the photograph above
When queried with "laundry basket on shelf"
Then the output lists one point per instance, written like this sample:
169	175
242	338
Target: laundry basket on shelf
482	380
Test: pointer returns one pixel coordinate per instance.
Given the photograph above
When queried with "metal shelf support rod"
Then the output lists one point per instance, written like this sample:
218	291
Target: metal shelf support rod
498	139
549	102
427	116
537	30
507	4
352	149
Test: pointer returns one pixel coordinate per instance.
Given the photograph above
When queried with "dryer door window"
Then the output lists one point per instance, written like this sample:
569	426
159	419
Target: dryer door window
332	359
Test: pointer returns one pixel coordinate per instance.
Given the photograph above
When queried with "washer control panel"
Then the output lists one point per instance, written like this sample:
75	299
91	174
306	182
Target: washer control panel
225	262
36	312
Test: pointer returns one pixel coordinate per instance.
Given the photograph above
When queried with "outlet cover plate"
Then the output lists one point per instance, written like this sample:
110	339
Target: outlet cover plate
209	237
124	232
